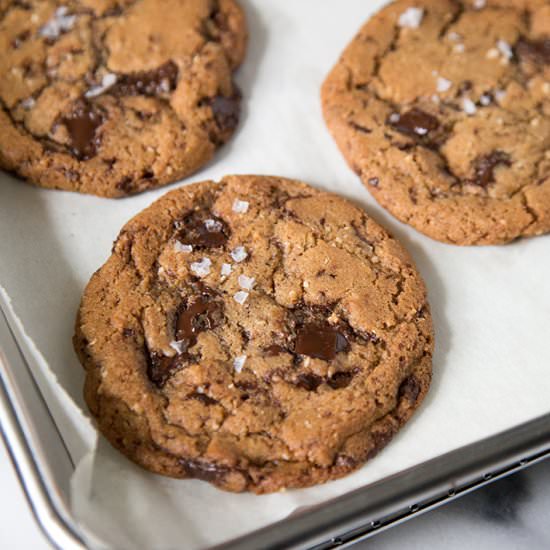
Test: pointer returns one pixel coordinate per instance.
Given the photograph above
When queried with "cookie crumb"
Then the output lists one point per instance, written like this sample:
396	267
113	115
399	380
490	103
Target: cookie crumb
411	18
240	207
240	297
239	254
202	268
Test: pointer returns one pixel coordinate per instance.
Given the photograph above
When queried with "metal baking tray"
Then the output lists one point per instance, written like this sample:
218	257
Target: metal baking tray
44	468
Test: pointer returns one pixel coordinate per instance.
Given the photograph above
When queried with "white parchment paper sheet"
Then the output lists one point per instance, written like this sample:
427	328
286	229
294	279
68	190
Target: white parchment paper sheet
491	305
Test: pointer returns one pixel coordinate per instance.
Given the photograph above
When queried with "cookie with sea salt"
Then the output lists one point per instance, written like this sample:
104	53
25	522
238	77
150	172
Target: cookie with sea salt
443	109
114	97
255	333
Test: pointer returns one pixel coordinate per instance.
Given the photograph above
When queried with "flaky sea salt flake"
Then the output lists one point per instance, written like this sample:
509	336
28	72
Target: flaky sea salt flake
238	363
202	268
469	106
240	207
480	4
185	248
505	49
239	254
212	226
411	18
443	85
178	346
226	269
246	282
240	297
60	22
108	80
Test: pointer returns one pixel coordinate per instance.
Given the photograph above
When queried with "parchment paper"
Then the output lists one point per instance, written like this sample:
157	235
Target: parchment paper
491	305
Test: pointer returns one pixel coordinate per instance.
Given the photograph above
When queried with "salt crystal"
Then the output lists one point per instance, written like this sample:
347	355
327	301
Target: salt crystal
443	85
108	80
239	254
240	297
395	117
505	49
28	103
226	269
238	363
240	207
186	248
500	95
480	4
469	106
60	22
485	100
212	226
454	36
178	346
246	282
202	268
411	18
459	48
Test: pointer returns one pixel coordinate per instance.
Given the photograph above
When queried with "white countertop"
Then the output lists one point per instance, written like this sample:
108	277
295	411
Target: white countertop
512	514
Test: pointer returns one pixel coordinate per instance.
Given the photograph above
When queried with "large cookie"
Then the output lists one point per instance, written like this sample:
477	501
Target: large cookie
443	108
113	97
255	333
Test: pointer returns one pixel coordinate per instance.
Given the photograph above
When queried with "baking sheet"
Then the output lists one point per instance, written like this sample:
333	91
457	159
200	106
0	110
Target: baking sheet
491	305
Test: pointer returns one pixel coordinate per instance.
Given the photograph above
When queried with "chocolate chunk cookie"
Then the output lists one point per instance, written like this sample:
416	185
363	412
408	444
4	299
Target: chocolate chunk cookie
443	109
114	97
255	333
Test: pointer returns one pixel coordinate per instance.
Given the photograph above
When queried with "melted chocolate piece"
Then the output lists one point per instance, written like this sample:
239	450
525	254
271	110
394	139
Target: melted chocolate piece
203	314
321	341
82	124
195	231
341	379
161	80
309	381
274	349
226	111
535	51
415	123
201	470
203	398
160	367
484	167
409	389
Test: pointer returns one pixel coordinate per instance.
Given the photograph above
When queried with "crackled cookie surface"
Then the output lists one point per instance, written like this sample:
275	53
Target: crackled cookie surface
255	333
443	109
114	97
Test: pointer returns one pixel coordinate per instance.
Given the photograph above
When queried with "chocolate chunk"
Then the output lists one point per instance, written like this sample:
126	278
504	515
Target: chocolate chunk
202	229
341	379
204	471
321	341
415	123
160	367
203	398
535	51
226	111
202	314
161	80
409	389
82	124
484	167
274	349
309	381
